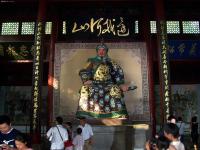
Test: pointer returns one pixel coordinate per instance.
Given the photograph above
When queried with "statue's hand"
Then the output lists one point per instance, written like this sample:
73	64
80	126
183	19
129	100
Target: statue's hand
89	82
124	87
127	87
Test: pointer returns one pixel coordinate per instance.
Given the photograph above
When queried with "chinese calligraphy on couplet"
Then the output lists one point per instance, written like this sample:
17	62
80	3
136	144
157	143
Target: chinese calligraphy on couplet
165	68
36	76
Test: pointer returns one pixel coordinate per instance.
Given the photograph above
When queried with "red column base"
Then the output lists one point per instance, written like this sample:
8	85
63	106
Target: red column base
36	138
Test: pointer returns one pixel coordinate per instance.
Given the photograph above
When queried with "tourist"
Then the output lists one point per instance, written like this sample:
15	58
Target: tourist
21	142
78	140
181	126
57	135
7	133
87	133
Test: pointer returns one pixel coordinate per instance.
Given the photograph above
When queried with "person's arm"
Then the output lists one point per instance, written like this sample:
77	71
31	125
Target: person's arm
49	134
91	139
147	145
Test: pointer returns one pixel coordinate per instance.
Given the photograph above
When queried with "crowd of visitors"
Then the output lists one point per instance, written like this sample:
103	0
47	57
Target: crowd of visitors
171	135
60	136
10	138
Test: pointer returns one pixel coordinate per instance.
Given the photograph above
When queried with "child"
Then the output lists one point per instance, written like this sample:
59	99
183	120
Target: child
78	141
21	142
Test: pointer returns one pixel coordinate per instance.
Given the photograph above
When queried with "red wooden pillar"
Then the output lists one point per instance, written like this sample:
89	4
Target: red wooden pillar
54	34
35	126
163	60
147	38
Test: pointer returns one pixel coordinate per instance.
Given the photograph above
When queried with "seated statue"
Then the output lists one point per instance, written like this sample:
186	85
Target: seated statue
102	93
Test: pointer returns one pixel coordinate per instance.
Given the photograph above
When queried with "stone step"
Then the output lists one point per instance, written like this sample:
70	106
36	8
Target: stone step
121	137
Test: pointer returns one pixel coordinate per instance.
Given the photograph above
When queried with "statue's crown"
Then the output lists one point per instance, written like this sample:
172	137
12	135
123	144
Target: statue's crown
102	45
